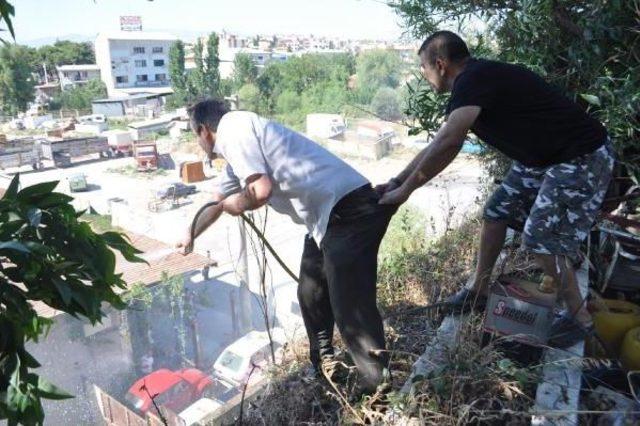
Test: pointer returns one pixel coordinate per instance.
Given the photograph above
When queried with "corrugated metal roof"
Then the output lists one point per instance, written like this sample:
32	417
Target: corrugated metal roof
161	258
78	67
150	123
126	98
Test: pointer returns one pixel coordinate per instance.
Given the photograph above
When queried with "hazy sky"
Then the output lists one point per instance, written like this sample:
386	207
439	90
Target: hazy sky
346	18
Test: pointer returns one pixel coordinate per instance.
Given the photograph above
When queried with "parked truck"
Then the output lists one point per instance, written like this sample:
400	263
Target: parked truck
20	152
120	142
28	157
61	151
146	154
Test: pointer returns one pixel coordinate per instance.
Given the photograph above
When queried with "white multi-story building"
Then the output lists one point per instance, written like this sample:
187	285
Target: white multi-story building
133	62
230	45
71	76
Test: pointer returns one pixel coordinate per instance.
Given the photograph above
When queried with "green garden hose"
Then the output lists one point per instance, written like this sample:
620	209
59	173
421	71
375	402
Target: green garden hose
253	226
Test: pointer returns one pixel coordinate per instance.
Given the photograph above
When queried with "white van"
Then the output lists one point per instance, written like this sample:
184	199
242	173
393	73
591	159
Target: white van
234	365
200	412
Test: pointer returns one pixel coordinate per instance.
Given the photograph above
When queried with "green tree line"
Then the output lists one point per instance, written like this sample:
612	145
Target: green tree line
21	67
289	90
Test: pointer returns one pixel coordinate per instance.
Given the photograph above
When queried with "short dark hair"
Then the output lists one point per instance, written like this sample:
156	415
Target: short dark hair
206	112
444	45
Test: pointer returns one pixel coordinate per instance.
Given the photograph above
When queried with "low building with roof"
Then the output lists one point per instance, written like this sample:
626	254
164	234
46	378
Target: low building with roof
142	104
71	76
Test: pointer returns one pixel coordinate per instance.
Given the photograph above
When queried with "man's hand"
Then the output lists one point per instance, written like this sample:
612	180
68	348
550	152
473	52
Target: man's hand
236	204
383	188
396	196
186	245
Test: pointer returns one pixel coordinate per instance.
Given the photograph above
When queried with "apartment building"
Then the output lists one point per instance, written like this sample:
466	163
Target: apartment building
134	62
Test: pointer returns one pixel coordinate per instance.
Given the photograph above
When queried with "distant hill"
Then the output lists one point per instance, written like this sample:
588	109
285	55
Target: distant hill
78	38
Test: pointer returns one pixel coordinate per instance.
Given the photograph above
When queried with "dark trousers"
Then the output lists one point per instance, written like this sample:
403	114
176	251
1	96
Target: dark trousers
338	284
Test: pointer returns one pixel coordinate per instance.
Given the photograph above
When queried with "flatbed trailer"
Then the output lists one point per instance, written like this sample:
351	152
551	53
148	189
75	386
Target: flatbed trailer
62	151
26	157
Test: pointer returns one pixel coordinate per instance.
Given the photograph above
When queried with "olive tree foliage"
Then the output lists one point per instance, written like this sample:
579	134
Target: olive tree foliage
51	258
7	12
589	49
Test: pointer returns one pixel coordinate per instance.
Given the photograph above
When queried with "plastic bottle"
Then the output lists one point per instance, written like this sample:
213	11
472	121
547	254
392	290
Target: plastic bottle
547	285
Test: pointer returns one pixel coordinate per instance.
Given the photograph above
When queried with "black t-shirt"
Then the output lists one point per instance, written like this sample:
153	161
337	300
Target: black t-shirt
523	116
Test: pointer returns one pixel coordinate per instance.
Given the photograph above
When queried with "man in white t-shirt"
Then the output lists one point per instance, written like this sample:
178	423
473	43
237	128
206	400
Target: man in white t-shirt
271	164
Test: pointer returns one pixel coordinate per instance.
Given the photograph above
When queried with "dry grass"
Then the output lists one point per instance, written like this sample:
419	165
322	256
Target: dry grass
131	170
416	271
473	384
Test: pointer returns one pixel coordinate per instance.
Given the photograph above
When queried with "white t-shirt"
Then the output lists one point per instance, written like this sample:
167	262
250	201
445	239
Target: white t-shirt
307	179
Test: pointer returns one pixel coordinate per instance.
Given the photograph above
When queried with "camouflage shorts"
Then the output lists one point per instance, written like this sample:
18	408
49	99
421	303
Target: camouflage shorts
555	206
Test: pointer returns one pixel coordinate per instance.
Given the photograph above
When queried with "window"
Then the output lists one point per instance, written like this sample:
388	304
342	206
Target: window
157	50
138	50
231	361
141	63
85	74
122	79
158	62
161	77
141	77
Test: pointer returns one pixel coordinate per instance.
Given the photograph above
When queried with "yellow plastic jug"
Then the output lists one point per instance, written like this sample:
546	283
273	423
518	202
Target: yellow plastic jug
612	325
630	352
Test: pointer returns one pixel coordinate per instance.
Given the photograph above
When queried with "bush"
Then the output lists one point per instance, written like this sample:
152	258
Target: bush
386	104
80	97
415	269
249	98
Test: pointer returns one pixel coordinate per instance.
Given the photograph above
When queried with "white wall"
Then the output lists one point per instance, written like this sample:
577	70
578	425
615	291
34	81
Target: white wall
103	60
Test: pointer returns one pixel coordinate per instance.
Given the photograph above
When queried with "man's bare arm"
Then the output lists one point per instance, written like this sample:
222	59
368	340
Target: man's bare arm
255	195
404	174
437	155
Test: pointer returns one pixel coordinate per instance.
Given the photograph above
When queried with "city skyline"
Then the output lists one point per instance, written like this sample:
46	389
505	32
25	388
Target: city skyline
331	18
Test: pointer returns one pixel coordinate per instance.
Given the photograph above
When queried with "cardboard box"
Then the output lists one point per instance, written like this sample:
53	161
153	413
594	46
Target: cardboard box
518	309
192	172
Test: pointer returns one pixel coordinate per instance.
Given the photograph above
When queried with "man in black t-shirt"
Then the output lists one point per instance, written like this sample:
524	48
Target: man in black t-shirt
561	170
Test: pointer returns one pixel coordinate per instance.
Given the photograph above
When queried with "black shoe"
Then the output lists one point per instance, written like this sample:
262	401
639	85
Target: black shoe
334	370
466	300
566	331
